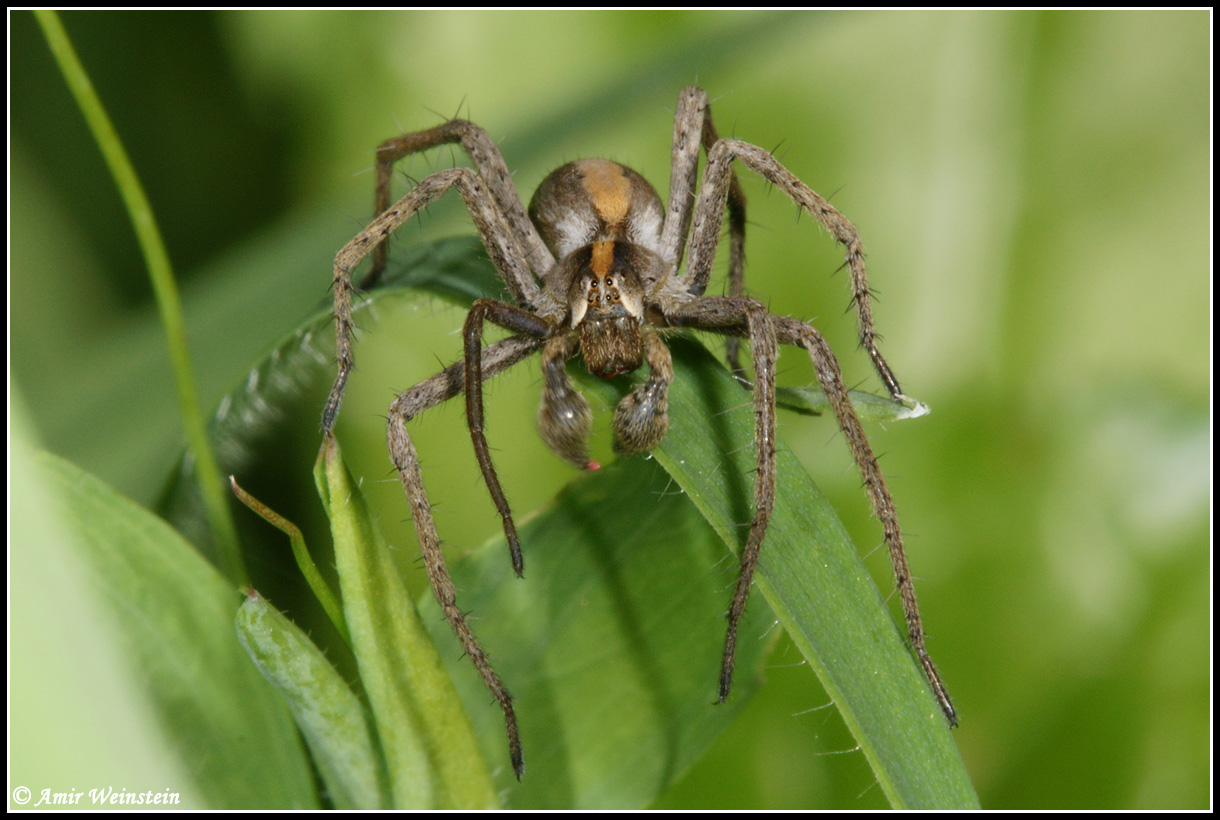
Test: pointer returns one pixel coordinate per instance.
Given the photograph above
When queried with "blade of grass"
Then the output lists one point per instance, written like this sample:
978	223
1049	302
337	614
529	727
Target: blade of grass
431	755
300	551
161	276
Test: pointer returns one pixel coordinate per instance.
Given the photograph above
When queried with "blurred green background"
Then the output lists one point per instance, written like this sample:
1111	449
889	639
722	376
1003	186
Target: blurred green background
1033	190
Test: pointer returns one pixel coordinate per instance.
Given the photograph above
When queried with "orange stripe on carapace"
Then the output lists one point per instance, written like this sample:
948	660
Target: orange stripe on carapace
608	188
603	259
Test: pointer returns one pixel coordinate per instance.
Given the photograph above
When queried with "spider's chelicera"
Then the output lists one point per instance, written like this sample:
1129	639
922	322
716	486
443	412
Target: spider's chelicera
595	268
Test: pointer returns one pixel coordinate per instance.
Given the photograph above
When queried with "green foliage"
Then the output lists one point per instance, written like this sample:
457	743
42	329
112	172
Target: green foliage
1033	193
611	646
168	615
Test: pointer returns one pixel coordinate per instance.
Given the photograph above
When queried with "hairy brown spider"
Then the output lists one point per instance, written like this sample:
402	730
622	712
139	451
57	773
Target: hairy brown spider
594	268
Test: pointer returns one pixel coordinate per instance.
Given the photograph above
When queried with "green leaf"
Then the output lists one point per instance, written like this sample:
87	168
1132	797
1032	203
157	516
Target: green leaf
611	643
431	757
172	615
328	713
810	574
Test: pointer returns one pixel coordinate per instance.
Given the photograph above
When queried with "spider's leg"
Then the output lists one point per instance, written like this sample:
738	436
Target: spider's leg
493	230
684	168
429	393
735	315
732	316
518	321
705	233
791	331
763	348
693	125
490	166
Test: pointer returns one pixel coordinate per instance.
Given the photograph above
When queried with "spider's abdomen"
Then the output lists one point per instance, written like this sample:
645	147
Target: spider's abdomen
593	200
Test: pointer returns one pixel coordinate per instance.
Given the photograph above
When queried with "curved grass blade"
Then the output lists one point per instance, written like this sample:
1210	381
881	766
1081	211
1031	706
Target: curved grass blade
300	551
165	289
327	712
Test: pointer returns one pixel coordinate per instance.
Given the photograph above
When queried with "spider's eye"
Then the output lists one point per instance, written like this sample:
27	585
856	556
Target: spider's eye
605	293
604	290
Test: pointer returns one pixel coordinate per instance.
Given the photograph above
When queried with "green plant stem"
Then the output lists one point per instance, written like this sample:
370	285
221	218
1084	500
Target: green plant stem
300	551
220	518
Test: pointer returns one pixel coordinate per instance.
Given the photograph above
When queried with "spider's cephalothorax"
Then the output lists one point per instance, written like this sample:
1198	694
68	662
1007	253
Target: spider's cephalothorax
595	268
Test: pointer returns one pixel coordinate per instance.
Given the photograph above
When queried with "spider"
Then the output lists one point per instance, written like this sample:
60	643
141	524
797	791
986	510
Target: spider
595	267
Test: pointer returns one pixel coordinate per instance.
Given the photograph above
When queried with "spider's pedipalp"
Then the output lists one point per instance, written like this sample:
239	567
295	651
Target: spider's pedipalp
564	418
641	419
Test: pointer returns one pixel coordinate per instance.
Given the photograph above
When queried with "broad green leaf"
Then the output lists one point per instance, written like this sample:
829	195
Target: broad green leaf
810	574
63	726
610	644
172	613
